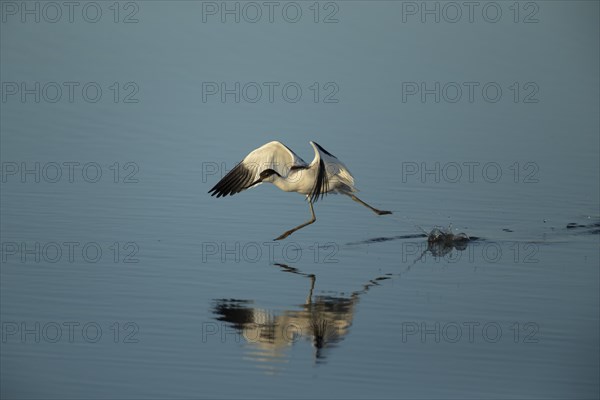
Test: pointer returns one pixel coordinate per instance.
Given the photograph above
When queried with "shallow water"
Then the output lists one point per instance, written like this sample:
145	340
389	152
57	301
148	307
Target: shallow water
144	286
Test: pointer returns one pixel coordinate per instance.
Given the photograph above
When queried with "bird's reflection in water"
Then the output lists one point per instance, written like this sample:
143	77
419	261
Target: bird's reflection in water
322	320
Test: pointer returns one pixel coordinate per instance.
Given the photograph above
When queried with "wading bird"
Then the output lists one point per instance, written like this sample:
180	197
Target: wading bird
276	163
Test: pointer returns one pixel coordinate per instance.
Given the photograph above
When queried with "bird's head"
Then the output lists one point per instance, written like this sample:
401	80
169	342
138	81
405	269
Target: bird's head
268	175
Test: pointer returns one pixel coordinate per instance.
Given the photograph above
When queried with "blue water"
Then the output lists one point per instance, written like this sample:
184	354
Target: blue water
122	278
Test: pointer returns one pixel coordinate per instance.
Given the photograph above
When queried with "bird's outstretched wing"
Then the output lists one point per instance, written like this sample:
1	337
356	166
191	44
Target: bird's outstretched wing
331	171
273	155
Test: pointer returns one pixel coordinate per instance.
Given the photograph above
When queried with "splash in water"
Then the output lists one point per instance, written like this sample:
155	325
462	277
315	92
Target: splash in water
446	236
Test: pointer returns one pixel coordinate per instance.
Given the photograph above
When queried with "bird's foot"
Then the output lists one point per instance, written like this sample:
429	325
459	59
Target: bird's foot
381	212
284	235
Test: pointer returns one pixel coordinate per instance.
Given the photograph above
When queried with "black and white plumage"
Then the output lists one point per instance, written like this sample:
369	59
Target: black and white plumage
276	163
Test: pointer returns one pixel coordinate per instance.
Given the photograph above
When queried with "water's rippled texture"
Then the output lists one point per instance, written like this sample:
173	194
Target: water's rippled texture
353	306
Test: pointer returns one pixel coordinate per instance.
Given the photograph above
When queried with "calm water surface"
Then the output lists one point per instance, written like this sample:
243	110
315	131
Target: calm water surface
122	278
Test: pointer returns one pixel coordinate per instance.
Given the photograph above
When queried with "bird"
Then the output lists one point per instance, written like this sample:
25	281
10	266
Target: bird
275	163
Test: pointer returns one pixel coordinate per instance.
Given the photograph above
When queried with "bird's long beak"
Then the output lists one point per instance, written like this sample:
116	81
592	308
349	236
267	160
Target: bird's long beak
256	182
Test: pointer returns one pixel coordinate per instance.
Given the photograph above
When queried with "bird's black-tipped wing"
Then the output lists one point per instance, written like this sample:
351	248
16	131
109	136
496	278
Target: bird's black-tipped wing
236	180
331	172
321	183
273	155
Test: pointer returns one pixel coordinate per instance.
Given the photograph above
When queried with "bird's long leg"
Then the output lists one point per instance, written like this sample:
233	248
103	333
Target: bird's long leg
376	211
312	287
313	219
